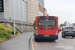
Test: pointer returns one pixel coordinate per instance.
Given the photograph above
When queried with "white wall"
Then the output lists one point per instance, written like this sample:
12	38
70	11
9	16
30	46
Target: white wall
24	11
40	13
1	14
18	10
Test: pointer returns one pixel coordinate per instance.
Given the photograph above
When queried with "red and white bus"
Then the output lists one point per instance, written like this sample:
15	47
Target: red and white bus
46	27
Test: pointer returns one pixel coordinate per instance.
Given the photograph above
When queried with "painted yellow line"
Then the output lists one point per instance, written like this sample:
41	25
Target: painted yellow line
32	43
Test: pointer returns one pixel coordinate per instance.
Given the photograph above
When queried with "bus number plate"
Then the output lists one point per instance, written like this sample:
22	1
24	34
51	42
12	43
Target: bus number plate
46	35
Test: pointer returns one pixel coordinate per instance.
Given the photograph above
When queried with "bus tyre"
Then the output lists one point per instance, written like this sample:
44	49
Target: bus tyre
35	39
54	39
72	36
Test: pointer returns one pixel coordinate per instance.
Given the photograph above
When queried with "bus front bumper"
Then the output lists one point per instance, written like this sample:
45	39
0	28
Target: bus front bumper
46	36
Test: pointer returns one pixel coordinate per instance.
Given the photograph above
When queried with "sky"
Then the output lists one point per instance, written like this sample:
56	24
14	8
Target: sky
64	9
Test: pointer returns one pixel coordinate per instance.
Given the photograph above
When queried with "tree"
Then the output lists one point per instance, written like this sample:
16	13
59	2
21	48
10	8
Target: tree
73	24
62	25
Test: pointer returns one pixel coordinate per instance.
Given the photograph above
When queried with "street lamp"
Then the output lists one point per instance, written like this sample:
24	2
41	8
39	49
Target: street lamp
21	18
14	15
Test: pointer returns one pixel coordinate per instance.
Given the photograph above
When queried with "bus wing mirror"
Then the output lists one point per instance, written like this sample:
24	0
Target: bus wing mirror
34	24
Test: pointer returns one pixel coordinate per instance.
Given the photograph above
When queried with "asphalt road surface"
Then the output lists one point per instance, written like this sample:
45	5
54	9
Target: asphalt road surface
67	43
20	42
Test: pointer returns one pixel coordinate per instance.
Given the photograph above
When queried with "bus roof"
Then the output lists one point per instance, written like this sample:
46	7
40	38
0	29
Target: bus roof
47	16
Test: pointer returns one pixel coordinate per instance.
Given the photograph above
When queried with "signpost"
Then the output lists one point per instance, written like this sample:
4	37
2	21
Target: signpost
21	18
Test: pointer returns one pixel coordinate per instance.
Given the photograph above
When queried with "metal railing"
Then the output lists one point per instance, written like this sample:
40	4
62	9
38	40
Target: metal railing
2	20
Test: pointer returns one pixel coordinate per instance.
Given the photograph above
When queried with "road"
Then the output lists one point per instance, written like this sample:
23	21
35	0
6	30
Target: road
67	43
20	42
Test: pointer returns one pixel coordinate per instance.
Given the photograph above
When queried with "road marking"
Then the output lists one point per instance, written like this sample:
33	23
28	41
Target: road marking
32	43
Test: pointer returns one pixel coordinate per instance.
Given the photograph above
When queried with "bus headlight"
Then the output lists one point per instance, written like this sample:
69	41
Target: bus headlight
36	32
56	33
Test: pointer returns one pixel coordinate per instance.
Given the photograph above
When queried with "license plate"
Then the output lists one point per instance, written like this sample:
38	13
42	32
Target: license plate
69	31
46	35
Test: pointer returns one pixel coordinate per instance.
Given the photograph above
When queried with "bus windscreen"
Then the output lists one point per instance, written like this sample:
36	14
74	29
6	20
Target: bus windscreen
46	22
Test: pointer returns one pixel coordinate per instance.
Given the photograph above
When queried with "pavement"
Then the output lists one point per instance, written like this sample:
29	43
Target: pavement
20	42
67	43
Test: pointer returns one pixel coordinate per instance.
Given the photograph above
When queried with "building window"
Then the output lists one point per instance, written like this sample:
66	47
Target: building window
1	6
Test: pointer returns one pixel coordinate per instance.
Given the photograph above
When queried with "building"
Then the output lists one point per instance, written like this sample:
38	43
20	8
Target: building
45	11
24	11
17	8
41	7
32	9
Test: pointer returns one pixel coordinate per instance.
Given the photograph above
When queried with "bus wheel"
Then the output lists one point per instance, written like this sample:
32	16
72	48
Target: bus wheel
63	36
53	39
72	36
35	39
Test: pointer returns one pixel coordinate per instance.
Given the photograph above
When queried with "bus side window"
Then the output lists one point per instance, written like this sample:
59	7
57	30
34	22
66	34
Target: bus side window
34	24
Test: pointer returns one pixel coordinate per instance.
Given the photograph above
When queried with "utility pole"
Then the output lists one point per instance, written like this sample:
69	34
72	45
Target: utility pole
21	18
14	15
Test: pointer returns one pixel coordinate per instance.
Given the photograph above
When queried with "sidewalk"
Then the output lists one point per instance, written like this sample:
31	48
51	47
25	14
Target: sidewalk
20	42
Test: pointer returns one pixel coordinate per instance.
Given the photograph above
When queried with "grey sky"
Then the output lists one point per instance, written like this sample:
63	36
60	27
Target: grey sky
64	9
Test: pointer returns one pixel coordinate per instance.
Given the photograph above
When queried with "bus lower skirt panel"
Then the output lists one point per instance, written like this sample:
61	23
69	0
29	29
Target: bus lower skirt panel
46	37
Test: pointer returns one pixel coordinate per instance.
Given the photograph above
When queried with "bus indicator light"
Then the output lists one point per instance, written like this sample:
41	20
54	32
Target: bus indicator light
36	27
36	32
56	33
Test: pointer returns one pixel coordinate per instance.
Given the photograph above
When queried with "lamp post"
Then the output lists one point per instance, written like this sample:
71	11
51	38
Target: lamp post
14	15
21	18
